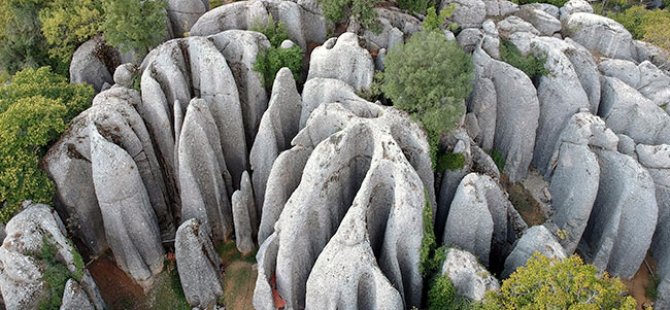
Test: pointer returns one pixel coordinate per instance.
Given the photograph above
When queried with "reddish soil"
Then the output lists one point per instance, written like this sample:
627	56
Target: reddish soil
637	286
117	289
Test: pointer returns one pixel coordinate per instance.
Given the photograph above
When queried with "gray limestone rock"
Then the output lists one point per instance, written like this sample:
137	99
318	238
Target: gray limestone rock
184	14
477	220
88	67
663	299
131	226
512	24
535	239
600	34
623	218
303	21
241	49
575	175
204	180
649	80
278	127
123	75
500	8
244	216
343	58
468	14
550	9
575	6
199	265
469	38
506	105
545	23
318	91
22	272
470	279
627	112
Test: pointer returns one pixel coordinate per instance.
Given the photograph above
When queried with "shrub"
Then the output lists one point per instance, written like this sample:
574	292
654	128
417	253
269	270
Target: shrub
429	77
416	6
632	19
133	25
274	58
433	21
531	65
55	276
498	159
34	109
559	284
646	25
22	44
442	295
361	10
450	161
67	24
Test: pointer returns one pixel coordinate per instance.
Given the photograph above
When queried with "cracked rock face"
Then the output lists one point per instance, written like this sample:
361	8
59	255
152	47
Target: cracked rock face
198	264
470	279
535	239
22	280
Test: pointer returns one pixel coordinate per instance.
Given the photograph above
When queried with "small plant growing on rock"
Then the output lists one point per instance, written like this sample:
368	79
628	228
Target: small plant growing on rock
271	60
362	10
531	65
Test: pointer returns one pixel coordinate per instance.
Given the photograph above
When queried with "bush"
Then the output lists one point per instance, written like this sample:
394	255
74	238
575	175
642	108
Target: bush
632	19
559	284
531	65
416	6
442	296
429	77
66	24
362	10
56	274
34	110
433	21
22	44
647	25
274	58
133	25
451	161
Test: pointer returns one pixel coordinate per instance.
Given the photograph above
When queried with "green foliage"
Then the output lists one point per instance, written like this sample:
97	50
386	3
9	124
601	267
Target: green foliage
22	44
633	19
433	21
643	24
652	286
168	292
269	61
450	161
416	6
415	82
133	25
215	3
498	159
362	10
78	262
34	109
55	276
375	92
442	295
559	284
66	24
428	244
532	65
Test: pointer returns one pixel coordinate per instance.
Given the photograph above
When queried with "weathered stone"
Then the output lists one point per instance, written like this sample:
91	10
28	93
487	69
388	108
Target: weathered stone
241	49
469	39
468	14
124	74
477	220
623	218
512	24
545	23
87	66
22	270
131	226
198	264
535	239
600	34
345	59
304	23
278	127
244	216
575	6
550	9
204	180
500	8
649	80
627	112
184	14
470	279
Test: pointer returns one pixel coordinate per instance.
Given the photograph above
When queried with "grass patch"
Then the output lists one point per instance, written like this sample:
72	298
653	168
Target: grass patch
498	159
450	161
531	65
229	253
652	287
55	275
168	293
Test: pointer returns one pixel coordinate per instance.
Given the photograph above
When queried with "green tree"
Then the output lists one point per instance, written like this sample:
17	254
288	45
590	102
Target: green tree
559	284
361	10
134	25
22	44
34	110
67	24
429	77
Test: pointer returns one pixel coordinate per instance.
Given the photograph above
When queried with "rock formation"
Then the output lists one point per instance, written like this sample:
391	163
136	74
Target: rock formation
535	239
198	265
470	279
23	263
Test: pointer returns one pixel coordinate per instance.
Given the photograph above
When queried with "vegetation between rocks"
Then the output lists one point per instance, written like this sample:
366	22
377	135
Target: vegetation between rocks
531	65
271	60
643	24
